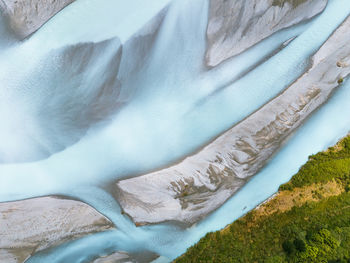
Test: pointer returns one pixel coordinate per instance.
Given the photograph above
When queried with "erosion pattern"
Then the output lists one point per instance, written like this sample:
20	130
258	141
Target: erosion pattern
98	73
91	71
72	65
32	225
201	183
27	16
234	26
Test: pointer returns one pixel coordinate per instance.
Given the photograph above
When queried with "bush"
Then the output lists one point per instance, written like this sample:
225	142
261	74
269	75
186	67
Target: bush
325	236
347	188
288	247
310	234
300	245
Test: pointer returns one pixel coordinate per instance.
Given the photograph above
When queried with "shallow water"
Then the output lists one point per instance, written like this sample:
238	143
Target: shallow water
168	107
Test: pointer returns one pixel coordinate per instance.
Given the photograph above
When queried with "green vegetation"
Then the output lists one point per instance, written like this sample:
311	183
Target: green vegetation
313	227
324	167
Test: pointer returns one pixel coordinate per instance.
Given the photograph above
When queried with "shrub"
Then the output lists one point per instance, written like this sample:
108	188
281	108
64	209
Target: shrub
347	188
300	245
288	247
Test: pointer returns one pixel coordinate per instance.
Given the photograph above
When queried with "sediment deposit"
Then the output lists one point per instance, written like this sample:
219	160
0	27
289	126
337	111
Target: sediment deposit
202	182
32	225
234	26
27	16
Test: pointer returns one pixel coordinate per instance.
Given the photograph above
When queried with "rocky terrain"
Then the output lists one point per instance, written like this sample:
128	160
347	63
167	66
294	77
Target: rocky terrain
27	16
32	225
234	26
201	183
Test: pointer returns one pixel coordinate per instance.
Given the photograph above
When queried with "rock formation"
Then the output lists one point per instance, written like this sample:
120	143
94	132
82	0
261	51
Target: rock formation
32	225
234	26
199	184
27	16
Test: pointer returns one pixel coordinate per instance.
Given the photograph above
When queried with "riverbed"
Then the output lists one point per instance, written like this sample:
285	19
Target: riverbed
170	106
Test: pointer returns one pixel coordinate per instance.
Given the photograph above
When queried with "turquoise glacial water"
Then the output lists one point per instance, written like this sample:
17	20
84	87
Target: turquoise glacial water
169	107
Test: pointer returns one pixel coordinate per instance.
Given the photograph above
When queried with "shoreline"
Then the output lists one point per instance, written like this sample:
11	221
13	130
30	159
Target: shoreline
319	191
202	182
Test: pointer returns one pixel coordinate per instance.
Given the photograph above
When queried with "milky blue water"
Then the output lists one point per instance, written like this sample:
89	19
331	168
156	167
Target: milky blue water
169	107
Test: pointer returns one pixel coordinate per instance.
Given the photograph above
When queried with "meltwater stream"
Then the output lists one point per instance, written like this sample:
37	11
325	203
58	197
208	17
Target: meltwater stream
73	128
